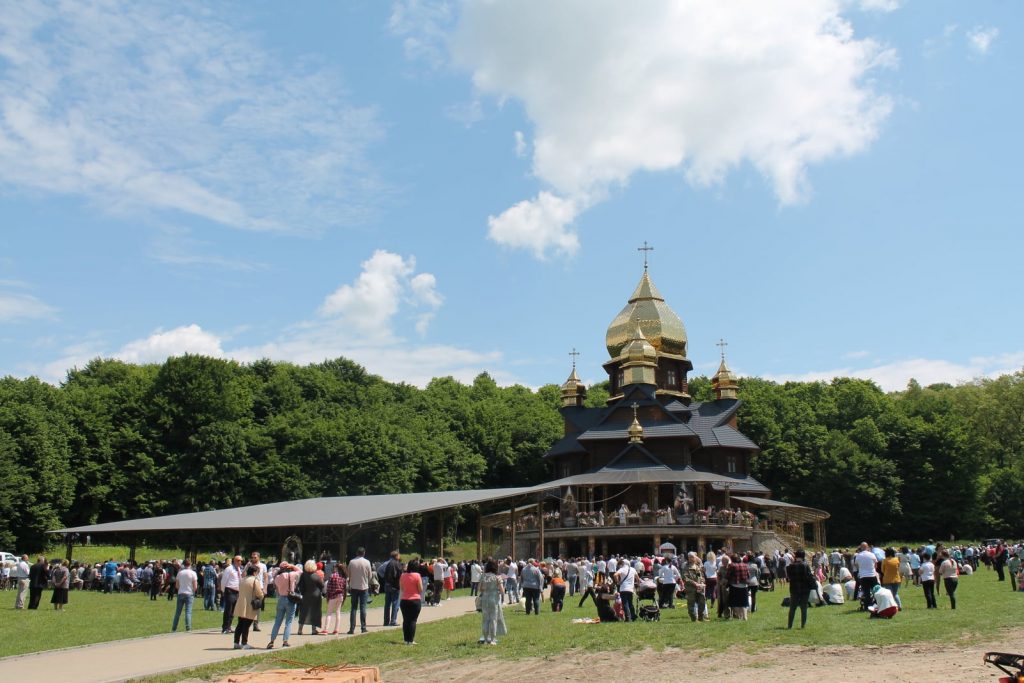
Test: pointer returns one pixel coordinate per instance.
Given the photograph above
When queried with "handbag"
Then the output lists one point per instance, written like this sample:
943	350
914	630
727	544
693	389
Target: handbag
295	596
256	603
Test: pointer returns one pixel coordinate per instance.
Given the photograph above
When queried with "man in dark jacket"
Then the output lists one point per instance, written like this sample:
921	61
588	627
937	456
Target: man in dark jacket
390	575
37	578
801	581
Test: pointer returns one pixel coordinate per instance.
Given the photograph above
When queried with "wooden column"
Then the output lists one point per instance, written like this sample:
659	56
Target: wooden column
652	497
440	534
396	534
700	503
479	536
70	547
591	546
343	545
540	529
512	531
728	498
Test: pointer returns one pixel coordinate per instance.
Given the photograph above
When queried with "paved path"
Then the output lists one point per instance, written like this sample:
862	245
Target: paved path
127	659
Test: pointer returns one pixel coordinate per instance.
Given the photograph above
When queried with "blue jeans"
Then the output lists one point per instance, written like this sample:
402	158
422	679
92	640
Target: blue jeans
358	601
391	606
512	589
186	602
286	613
628	611
210	596
108	584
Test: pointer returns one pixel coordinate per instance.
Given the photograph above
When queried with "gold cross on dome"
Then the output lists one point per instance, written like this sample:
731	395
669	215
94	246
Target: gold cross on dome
645	249
574	353
721	345
634	407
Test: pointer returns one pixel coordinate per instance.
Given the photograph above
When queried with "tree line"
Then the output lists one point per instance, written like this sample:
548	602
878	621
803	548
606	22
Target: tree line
119	441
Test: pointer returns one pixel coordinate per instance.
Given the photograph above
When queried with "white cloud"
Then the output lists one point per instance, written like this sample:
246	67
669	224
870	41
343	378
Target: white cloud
540	225
856	355
520	144
167	107
879	5
368	306
894	376
980	39
160	345
16	306
615	88
361	321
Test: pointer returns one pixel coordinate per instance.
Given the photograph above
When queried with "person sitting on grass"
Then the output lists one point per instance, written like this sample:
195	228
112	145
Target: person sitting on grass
885	606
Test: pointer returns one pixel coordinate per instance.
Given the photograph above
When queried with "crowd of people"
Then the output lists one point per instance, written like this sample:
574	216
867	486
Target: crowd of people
720	584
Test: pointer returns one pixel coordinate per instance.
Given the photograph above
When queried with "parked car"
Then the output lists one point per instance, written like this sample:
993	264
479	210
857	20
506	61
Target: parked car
8	560
992	542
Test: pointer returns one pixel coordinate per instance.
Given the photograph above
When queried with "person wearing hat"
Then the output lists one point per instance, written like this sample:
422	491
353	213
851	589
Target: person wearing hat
531	581
885	606
285	585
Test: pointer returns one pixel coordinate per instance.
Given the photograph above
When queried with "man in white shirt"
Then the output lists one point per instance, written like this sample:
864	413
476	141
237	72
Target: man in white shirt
867	578
474	577
187	584
20	575
230	579
611	566
668	580
440	568
359	571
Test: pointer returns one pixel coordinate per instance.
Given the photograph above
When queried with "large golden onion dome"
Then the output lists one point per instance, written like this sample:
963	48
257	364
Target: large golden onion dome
661	326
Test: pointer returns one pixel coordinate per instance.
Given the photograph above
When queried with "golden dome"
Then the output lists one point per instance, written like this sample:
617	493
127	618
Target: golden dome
725	383
661	326
573	391
639	348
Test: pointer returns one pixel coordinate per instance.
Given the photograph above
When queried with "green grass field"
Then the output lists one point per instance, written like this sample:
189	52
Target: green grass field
985	609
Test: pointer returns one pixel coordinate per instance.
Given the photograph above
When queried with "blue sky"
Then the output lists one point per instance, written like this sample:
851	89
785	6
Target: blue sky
445	188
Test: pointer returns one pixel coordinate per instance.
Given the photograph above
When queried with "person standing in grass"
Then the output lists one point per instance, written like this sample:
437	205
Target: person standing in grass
492	593
475	570
801	582
21	574
188	584
891	575
410	600
693	578
557	590
61	578
209	587
1013	564
38	575
948	573
359	571
530	581
926	574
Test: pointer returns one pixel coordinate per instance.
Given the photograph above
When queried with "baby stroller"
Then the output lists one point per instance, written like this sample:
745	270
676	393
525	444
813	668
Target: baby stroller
647	590
766	581
647	607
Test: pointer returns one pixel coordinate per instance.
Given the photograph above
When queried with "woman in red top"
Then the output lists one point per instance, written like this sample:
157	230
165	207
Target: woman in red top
410	585
337	587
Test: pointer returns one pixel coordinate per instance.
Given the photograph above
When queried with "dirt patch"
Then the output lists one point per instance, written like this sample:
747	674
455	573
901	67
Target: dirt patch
911	663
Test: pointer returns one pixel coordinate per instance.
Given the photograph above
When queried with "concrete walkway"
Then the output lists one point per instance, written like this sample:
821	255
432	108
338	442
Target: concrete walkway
122	660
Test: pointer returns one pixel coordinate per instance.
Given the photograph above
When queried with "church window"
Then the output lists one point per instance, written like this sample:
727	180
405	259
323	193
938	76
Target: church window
622	377
730	464
670	378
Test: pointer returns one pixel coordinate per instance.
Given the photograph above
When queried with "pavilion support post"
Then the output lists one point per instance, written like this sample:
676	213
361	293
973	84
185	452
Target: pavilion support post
131	551
396	534
563	548
728	497
657	542
702	545
440	534
512	531
652	497
591	547
540	529
69	540
343	545
479	536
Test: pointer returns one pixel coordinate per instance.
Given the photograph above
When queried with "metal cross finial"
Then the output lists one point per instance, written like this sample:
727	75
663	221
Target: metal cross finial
634	407
574	353
645	249
721	345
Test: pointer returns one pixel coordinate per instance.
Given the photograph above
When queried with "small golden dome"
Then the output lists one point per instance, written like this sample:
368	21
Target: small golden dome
661	326
636	430
725	383
638	348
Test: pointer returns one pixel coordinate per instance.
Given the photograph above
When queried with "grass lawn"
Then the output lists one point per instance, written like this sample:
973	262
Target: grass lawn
985	607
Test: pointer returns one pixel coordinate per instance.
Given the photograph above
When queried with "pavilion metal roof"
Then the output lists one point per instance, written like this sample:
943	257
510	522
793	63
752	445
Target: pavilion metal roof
797	513
337	511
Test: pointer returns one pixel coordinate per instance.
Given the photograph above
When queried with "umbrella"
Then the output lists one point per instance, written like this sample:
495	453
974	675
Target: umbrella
667	548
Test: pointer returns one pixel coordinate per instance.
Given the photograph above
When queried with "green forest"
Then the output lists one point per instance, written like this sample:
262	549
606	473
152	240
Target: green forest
118	441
